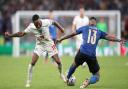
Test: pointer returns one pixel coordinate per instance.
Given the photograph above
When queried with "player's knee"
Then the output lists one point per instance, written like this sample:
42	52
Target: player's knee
59	63
33	63
75	64
94	79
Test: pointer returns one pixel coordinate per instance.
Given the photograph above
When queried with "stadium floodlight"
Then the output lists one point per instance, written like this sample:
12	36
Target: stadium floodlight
113	17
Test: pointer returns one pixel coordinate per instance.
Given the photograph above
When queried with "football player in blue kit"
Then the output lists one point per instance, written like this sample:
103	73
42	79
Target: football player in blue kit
87	52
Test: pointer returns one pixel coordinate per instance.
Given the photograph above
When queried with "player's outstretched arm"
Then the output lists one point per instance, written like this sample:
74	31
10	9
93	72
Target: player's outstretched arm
18	34
58	26
114	38
67	36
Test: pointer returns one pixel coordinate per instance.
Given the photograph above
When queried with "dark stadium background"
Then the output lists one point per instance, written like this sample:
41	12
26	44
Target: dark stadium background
9	7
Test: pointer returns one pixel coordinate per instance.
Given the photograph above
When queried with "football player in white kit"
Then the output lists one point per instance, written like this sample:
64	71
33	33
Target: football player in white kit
44	43
79	21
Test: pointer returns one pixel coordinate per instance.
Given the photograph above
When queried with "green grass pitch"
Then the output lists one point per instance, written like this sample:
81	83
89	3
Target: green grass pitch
13	72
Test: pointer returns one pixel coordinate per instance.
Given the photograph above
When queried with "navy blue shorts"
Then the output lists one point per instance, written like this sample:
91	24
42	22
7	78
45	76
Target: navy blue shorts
92	62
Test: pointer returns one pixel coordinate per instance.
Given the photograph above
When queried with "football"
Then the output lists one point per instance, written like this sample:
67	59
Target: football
71	81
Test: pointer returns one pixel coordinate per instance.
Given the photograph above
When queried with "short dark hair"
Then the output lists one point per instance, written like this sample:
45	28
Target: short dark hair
35	17
92	18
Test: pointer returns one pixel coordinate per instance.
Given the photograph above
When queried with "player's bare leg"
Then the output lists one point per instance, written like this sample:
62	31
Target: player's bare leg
92	80
58	61
30	69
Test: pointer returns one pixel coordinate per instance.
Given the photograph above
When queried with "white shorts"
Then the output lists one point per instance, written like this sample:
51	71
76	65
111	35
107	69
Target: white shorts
79	41
51	49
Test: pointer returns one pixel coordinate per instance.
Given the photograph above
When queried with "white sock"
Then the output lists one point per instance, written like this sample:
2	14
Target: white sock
29	76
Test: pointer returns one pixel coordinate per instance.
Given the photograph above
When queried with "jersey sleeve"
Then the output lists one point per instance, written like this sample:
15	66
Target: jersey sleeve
28	29
103	34
78	31
48	22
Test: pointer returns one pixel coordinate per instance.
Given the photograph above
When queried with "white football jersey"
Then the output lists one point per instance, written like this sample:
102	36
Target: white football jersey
79	22
43	30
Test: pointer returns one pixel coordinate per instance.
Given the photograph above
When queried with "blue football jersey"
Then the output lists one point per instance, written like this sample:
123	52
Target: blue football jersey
53	32
90	35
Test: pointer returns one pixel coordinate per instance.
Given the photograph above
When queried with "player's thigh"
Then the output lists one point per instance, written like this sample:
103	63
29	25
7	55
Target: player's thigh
52	51
93	65
79	58
39	50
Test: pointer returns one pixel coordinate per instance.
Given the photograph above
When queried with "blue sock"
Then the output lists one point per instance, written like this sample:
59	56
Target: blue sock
71	71
94	79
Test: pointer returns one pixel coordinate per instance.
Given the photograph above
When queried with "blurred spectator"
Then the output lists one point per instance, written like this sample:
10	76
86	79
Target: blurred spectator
112	5
91	5
124	9
103	5
126	27
1	24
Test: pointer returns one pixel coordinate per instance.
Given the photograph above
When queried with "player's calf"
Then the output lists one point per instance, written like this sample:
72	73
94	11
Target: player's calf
30	69
71	70
58	61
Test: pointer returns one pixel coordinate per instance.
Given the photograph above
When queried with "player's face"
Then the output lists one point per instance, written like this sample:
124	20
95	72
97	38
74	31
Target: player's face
82	12
92	22
37	23
51	15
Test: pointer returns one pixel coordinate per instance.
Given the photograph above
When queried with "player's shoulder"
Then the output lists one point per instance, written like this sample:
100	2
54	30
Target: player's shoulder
77	17
93	27
84	27
100	32
46	22
86	17
87	26
31	25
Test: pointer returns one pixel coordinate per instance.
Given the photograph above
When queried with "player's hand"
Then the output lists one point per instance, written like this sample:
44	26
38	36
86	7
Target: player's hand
58	41
7	34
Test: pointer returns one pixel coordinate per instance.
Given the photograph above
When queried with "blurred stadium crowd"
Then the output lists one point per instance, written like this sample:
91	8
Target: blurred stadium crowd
9	7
